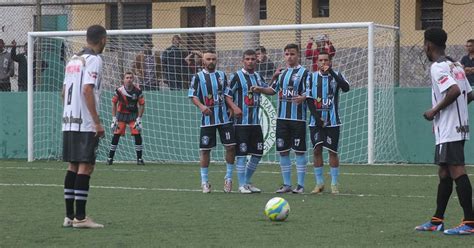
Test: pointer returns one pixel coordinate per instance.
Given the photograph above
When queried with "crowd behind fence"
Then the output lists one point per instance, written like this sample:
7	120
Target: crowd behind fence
20	18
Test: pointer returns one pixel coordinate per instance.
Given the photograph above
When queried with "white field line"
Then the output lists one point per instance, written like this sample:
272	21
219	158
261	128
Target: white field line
191	190
222	171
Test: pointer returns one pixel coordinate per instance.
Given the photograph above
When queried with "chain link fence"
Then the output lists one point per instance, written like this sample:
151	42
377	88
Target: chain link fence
413	16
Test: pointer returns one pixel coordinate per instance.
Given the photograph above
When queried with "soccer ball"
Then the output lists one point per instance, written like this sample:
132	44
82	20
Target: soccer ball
277	209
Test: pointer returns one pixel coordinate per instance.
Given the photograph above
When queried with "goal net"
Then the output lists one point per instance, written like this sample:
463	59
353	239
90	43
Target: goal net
364	55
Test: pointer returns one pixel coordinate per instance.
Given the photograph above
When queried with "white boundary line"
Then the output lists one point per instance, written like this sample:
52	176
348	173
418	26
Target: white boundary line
222	171
196	190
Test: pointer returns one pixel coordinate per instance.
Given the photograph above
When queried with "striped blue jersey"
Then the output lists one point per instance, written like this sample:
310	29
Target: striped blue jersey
210	88
324	90
244	98
291	83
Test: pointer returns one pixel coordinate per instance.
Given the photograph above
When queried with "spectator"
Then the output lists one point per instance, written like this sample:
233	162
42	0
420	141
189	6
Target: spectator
7	68
265	67
22	60
147	67
468	61
194	61
175	66
322	44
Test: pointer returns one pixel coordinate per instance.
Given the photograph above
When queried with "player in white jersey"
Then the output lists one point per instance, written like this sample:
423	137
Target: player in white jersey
81	125
451	93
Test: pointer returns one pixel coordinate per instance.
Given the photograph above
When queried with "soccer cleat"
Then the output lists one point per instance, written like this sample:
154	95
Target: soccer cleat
299	190
462	229
254	189
86	223
284	189
206	188
318	189
334	189
227	185
67	222
245	189
428	226
140	162
110	161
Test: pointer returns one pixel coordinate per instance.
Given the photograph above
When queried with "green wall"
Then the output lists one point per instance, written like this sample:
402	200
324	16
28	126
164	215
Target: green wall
414	134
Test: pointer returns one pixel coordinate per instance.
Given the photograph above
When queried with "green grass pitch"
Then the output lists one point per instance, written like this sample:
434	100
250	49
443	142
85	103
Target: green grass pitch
161	205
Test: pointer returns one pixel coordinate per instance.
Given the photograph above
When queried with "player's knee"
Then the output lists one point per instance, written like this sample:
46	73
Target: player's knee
287	153
318	151
230	148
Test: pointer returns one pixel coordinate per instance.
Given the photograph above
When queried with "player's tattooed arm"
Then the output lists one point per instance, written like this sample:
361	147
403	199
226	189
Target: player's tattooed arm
204	109
237	112
316	114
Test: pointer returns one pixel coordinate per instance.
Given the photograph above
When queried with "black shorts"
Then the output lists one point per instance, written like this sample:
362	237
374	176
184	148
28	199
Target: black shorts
326	136
80	147
208	136
290	135
126	117
450	153
249	140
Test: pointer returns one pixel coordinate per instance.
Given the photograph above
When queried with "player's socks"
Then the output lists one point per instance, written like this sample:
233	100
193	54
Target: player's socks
230	168
464	190
318	175
334	175
204	175
251	168
445	188
138	146
301	168
113	145
69	181
240	164
285	165
81	191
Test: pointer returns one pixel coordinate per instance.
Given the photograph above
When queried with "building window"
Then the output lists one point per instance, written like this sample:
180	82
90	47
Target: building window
320	8
135	16
430	14
263	9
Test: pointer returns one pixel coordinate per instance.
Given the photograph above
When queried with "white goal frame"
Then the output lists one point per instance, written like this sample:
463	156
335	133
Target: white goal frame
368	25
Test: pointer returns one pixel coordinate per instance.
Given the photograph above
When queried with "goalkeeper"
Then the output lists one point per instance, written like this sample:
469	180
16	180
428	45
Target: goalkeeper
128	105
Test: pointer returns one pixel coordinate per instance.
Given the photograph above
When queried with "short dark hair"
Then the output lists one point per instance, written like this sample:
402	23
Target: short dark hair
261	49
325	53
249	52
437	37
292	46
95	33
209	51
470	40
127	73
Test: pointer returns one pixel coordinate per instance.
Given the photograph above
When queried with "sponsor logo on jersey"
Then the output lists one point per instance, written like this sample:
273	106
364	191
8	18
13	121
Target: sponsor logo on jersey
209	100
73	69
93	74
249	100
443	79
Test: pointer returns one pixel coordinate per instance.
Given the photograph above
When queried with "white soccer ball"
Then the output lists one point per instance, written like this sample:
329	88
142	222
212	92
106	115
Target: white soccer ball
277	209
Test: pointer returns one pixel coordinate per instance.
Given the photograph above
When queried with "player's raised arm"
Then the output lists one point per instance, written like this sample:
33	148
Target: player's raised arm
341	81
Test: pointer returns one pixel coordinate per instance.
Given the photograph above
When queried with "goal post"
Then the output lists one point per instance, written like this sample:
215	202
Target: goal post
364	55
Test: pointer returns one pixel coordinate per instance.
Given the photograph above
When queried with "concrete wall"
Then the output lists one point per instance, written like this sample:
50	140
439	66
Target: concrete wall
414	135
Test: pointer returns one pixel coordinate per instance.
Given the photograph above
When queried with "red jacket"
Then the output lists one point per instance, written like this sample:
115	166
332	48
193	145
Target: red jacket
313	53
